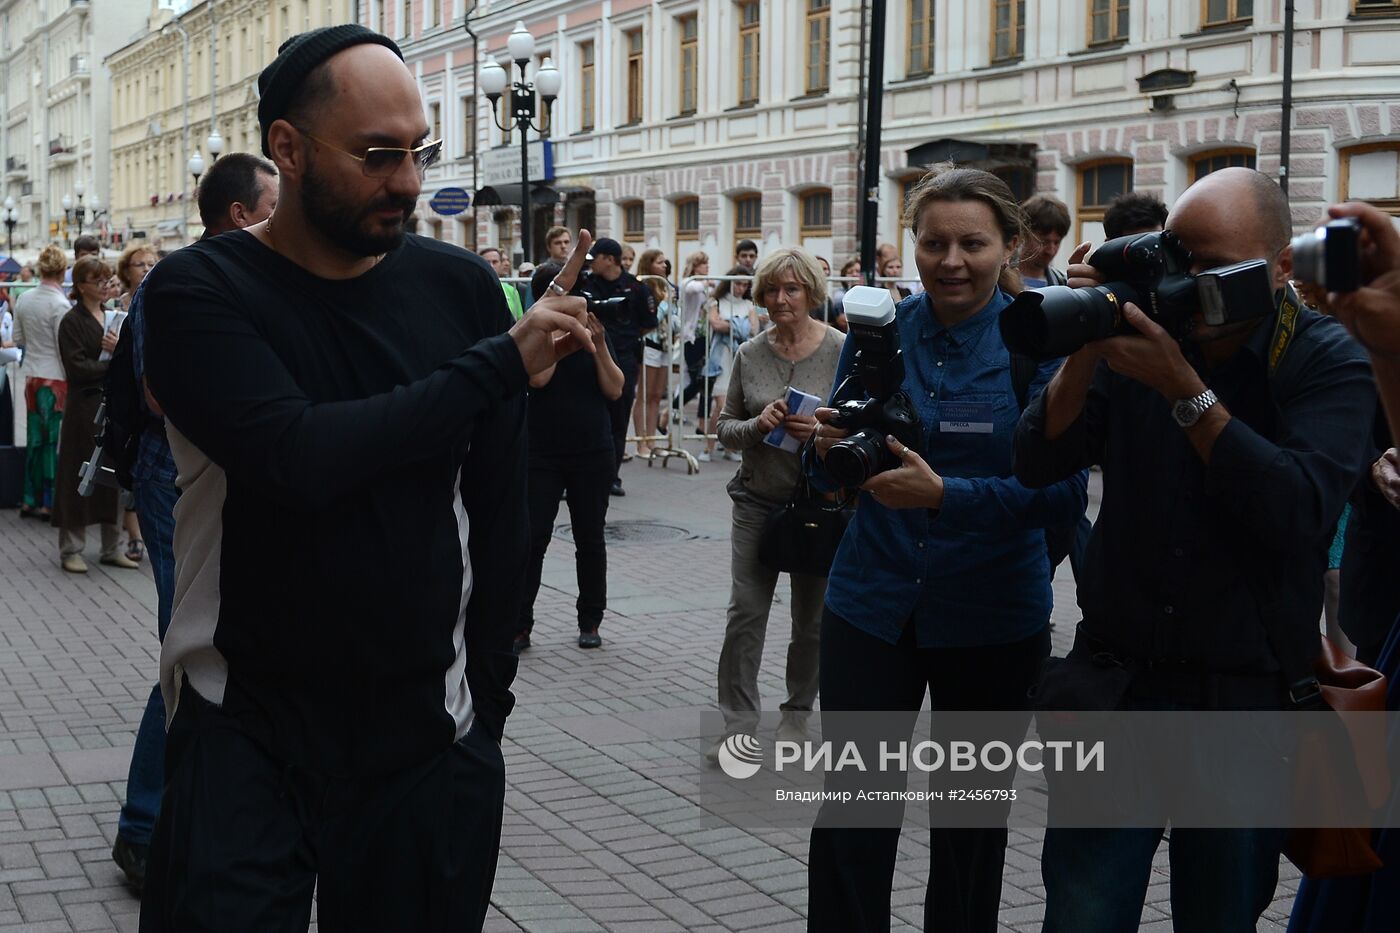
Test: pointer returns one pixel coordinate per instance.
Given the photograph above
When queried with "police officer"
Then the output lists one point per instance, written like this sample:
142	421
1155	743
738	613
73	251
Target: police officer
628	310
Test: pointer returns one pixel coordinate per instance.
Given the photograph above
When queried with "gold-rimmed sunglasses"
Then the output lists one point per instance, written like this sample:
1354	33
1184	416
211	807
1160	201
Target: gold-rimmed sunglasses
383	161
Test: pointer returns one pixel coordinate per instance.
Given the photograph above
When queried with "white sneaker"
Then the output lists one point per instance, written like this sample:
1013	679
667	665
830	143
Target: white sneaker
704	456
729	455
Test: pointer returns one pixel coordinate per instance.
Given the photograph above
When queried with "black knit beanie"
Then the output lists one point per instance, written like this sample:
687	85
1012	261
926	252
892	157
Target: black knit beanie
296	58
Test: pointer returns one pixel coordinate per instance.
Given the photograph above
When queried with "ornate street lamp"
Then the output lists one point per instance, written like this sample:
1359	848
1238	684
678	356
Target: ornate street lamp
547	81
11	218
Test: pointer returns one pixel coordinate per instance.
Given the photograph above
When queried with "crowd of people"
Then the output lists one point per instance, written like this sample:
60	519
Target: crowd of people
306	377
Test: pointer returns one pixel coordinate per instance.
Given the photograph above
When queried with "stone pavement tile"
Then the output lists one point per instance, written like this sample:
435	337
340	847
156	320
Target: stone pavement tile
91	764
760	917
33	769
59	925
88	917
38	906
559	925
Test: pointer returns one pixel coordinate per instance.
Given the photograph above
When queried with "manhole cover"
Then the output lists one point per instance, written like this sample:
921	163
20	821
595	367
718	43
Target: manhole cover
637	532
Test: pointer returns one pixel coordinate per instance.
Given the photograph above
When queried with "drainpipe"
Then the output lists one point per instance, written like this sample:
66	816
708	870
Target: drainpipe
476	75
1285	140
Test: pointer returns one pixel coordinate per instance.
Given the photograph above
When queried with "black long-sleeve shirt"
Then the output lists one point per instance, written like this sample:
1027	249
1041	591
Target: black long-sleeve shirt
352	527
1166	577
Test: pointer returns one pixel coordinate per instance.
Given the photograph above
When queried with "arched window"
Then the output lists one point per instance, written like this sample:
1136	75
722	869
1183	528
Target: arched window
688	218
1372	173
816	213
687	229
1203	163
633	222
815	230
1099	183
748	218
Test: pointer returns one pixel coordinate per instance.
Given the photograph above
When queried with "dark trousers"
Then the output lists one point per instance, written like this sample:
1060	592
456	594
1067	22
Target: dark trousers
621	410
243	838
586	480
851	871
696	354
1222	880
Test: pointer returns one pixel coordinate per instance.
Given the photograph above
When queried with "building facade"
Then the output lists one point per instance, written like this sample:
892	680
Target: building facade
56	136
192	71
689	124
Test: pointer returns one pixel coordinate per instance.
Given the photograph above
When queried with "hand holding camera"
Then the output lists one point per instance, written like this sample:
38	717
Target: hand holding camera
1152	357
1357	258
1385	474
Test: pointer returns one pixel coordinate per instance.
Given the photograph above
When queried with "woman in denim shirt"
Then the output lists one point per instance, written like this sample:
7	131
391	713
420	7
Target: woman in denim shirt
941	584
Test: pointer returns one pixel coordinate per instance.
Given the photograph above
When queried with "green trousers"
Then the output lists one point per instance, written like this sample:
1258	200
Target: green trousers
41	459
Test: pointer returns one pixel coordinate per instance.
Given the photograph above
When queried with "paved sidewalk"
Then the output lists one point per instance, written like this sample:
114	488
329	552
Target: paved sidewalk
596	835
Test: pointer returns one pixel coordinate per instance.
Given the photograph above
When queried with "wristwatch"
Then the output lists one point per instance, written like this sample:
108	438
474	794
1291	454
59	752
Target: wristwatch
1188	411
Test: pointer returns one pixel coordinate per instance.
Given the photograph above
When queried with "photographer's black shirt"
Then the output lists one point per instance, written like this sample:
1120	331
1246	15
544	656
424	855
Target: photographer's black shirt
569	417
1184	555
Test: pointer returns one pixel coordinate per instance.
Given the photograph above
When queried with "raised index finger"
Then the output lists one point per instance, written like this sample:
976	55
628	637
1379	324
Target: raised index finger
569	274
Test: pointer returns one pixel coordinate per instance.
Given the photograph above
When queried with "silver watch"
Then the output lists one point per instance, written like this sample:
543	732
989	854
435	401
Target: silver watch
1188	411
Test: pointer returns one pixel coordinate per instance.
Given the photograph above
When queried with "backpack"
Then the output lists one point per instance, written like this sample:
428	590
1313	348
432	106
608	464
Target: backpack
1061	541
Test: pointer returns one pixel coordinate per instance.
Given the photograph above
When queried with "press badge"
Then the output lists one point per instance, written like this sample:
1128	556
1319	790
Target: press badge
965	417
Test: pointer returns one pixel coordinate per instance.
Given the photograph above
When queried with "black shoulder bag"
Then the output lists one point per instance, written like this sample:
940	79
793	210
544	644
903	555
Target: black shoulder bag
802	535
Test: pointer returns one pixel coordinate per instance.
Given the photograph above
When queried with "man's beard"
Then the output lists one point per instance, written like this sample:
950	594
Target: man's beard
352	228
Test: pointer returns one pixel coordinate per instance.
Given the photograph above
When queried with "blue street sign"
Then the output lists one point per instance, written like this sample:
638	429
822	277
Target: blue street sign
449	201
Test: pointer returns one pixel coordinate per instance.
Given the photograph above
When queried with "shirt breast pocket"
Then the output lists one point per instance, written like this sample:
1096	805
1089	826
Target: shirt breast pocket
971	432
974	413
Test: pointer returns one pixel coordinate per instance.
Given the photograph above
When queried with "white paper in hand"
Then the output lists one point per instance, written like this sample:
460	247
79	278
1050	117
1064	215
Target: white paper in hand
798	403
111	324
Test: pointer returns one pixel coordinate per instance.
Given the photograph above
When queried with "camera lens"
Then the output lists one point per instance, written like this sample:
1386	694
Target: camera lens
1045	323
1309	263
855	459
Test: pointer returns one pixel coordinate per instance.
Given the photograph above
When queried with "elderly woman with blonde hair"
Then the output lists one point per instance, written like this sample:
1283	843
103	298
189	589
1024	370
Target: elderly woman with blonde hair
801	352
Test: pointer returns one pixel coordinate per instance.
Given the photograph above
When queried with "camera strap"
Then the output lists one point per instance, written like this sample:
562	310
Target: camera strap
1285	326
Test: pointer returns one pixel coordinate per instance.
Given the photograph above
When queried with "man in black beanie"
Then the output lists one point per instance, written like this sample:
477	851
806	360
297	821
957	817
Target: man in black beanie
345	404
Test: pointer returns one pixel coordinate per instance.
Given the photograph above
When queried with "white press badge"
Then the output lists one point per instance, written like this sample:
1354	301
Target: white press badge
965	417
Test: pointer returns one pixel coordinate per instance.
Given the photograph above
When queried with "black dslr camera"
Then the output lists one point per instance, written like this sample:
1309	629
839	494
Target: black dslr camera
1153	271
878	375
1330	256
609	310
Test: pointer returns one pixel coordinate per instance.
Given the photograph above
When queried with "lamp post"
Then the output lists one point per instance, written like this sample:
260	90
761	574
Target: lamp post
11	218
196	167
548	80
215	145
97	215
67	202
80	212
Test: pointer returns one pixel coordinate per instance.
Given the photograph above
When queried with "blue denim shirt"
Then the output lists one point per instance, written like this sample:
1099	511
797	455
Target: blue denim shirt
975	571
154	461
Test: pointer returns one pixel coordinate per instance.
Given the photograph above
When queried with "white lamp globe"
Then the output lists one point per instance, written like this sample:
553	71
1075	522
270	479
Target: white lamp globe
521	43
548	80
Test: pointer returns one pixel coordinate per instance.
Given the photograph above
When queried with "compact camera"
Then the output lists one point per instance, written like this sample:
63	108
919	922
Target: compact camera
878	374
1153	271
1330	256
